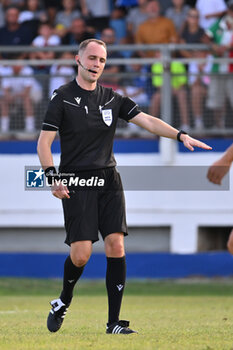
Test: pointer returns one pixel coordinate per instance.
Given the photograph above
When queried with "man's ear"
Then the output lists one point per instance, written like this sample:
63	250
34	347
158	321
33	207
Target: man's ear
77	59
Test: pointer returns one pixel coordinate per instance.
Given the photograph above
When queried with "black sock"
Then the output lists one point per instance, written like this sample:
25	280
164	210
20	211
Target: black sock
71	275
115	283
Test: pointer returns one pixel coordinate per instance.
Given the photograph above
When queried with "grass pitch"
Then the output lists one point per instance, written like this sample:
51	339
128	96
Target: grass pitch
168	316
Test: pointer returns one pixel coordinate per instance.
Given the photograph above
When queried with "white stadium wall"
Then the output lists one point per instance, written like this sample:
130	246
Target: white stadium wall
182	211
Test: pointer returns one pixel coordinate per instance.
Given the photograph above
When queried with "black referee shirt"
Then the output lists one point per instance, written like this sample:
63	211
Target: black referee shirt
86	121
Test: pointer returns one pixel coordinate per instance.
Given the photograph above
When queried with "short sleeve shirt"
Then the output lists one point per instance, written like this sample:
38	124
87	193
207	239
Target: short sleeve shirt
206	7
86	121
18	83
192	38
136	17
177	17
53	40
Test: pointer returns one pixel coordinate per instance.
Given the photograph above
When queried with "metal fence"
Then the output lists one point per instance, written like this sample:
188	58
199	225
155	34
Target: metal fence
183	92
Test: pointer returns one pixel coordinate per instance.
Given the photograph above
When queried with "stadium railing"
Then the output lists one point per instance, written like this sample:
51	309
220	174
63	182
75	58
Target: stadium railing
136	79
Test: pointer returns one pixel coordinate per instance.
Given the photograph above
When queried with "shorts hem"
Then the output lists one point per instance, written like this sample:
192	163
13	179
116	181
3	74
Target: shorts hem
80	240
125	233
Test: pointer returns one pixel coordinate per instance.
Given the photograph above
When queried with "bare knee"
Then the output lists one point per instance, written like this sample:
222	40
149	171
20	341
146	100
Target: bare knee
114	245
79	260
80	253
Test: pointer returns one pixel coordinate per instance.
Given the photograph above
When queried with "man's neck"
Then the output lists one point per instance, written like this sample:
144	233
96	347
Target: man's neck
13	27
178	9
86	85
154	19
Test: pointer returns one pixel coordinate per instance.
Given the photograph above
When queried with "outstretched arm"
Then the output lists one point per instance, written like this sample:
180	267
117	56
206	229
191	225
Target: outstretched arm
220	168
158	127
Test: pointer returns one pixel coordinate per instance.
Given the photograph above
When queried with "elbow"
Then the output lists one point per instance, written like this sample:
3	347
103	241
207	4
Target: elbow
40	145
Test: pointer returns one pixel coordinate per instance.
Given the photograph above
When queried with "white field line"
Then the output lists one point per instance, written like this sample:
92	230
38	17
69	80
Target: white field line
12	312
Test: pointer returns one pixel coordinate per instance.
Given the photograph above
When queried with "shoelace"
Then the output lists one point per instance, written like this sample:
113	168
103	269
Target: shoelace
61	312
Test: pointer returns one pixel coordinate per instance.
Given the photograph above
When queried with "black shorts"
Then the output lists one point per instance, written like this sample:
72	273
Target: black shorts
88	211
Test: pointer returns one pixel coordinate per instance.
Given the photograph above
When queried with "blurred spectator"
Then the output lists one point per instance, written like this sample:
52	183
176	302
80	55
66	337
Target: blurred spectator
32	11
77	33
96	13
210	11
155	30
64	18
191	3
2	16
4	121
178	13
165	4
45	38
221	86
61	74
136	16
126	3
136	88
19	88
52	7
31	16
118	23
199	80
19	3
56	4
192	33
178	83
109	37
14	33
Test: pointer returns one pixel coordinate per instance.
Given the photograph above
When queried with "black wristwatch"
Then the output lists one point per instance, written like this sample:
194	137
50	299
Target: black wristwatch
180	133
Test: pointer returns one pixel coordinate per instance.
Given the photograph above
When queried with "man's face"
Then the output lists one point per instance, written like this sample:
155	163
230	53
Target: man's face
94	58
108	36
178	2
45	30
78	26
68	4
33	5
17	69
142	2
12	16
153	9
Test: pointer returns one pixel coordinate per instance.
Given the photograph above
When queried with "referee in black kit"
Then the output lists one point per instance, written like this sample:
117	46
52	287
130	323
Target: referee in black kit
85	114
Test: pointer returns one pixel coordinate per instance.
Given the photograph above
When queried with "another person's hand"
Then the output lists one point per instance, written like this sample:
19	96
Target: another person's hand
60	191
218	170
230	243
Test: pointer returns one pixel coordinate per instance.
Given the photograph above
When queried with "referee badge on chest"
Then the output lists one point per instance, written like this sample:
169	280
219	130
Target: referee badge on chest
107	116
